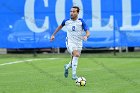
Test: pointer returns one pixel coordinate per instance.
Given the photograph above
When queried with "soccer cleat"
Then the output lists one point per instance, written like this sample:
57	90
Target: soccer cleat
74	77
65	71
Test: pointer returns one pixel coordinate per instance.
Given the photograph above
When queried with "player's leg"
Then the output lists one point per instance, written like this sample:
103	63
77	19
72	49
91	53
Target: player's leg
76	55
75	51
67	66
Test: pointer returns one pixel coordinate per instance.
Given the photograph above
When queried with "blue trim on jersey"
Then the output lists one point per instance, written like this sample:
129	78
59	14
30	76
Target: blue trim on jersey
63	22
84	26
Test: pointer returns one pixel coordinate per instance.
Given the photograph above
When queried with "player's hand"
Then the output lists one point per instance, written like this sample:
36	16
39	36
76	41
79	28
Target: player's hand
85	38
52	38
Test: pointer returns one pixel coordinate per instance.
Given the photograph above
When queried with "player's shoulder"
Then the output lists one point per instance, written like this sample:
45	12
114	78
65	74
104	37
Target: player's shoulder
64	22
81	19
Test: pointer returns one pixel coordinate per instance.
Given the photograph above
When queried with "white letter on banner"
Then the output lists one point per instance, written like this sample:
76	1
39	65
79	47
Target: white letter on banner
29	17
96	18
60	9
80	5
127	17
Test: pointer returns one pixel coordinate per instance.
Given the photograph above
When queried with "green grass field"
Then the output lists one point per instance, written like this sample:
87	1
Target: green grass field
105	73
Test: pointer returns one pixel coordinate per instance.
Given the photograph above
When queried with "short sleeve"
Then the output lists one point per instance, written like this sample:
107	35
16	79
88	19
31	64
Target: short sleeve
84	25
63	22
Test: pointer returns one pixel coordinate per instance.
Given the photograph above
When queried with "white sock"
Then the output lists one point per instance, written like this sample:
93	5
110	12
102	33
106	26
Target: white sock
74	65
68	65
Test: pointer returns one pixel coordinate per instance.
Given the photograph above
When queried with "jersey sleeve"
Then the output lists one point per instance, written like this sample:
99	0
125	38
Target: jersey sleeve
63	22
84	25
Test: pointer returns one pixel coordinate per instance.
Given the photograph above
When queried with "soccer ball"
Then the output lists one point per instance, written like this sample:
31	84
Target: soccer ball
80	81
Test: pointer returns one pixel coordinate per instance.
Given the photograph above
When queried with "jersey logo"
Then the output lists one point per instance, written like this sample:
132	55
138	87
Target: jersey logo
73	28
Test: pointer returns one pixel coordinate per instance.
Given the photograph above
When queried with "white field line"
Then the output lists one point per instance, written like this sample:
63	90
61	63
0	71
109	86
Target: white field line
28	60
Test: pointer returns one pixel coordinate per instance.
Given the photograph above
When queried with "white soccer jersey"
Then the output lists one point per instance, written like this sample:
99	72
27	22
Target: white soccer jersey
75	30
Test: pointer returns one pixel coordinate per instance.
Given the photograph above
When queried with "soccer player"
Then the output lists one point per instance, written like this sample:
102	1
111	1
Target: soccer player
75	27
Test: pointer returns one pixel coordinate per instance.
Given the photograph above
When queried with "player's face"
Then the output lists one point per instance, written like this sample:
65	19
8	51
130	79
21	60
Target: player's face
73	13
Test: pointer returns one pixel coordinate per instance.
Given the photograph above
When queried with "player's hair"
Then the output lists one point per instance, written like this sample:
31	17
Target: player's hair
78	9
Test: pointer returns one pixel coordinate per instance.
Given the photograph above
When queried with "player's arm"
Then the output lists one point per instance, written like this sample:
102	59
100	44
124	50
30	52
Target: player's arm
57	29
86	29
87	35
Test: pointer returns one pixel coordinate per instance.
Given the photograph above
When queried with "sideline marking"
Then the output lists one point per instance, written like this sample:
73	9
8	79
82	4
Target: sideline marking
28	60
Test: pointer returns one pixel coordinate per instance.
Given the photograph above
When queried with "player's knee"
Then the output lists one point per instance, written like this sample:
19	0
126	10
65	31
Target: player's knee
76	54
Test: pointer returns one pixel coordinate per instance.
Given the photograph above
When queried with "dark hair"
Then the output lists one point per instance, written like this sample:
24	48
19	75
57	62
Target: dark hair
78	9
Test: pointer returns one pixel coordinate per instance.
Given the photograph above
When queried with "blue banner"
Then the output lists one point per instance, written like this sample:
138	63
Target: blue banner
30	23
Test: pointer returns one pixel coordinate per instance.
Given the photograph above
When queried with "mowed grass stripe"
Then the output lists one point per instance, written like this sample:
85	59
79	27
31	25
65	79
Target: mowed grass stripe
104	75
